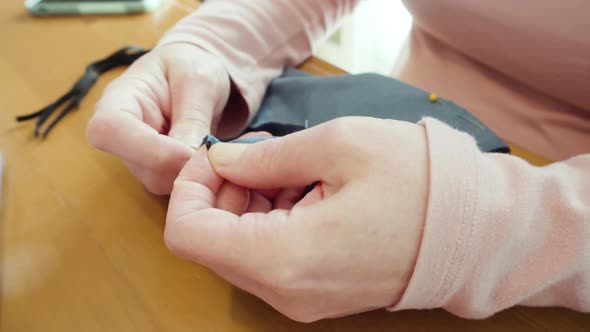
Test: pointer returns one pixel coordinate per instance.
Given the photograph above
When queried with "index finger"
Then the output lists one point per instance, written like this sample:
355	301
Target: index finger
117	128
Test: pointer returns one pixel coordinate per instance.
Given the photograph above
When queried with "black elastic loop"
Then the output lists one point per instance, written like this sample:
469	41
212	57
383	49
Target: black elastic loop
80	89
72	105
48	108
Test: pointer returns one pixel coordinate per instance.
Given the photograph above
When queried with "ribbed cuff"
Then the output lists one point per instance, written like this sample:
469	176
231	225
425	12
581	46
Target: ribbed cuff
450	217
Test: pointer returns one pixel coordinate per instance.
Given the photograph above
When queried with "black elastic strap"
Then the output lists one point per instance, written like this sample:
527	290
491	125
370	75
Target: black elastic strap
80	89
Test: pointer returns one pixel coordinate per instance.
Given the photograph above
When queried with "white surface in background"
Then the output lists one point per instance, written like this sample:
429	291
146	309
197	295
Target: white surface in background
370	39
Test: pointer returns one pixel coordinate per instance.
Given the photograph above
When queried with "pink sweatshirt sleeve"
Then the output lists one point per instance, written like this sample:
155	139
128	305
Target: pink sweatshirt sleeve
500	232
257	39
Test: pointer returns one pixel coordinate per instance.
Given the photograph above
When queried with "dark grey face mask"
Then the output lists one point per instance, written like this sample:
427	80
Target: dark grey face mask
297	100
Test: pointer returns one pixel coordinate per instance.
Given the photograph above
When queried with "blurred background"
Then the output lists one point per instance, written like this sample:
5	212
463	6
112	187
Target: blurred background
370	39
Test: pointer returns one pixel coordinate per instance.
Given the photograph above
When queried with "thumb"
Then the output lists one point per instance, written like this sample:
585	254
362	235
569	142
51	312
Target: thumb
294	160
197	99
197	231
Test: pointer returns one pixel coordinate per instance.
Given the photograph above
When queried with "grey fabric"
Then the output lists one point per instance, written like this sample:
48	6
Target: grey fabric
297	97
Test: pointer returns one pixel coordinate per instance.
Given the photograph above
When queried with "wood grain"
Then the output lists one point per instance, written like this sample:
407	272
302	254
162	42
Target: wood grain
81	245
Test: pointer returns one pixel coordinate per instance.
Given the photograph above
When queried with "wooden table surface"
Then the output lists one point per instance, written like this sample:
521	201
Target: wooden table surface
81	246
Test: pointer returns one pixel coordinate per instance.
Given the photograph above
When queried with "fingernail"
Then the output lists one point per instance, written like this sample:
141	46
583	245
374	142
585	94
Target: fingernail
224	154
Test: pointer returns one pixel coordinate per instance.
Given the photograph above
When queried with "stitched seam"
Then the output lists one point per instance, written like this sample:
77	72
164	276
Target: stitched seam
447	280
461	267
443	287
440	286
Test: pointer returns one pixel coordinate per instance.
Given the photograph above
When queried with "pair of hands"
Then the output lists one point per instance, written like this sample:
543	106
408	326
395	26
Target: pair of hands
349	245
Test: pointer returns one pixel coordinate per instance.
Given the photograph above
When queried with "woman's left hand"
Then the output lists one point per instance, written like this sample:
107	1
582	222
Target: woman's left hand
350	245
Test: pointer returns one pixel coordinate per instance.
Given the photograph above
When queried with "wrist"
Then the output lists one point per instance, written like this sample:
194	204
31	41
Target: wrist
413	171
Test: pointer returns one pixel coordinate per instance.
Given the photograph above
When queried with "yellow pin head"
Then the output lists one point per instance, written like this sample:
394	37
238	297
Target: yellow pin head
433	97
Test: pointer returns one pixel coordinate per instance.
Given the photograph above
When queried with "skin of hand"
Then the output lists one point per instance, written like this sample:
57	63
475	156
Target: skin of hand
158	110
348	246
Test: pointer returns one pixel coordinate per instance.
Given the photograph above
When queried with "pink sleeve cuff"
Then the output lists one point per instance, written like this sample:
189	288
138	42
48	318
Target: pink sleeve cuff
500	232
448	229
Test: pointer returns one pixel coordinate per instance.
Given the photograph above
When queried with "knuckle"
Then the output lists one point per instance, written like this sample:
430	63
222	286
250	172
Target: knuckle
342	131
99	131
358	134
196	119
157	183
171	239
340	127
301	316
175	236
157	187
178	241
210	72
266	157
287	279
282	280
299	311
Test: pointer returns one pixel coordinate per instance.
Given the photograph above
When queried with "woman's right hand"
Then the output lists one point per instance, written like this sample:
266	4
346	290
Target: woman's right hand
159	109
